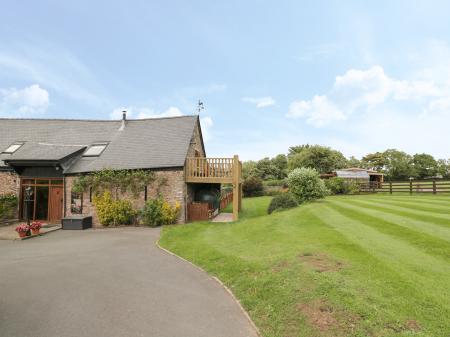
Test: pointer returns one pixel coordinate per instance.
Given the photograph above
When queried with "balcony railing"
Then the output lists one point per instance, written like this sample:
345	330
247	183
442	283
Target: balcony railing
213	170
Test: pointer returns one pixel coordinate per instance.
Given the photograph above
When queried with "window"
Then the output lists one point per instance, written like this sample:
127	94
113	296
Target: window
76	203
13	148
95	150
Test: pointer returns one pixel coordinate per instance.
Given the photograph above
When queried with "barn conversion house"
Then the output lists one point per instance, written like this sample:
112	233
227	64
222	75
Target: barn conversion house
48	154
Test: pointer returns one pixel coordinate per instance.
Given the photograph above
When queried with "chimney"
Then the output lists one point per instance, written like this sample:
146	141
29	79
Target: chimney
124	120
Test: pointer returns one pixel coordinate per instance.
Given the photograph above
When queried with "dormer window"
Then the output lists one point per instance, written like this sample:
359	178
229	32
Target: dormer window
95	150
13	148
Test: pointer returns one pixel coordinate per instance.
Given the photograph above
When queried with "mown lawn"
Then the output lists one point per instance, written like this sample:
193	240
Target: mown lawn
375	265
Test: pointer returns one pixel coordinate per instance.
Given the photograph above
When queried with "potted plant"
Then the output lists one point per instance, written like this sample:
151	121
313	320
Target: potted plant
35	227
22	230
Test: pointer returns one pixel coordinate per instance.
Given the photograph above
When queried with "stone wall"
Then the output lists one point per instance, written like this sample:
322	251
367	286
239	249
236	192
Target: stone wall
9	183
196	144
173	190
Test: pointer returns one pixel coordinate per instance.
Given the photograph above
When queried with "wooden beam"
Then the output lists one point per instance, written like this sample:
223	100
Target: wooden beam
236	188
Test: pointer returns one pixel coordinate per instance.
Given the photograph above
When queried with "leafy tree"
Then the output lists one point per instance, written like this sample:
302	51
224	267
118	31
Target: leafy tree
321	158
443	168
249	169
376	161
281	163
424	165
266	169
398	165
354	162
253	187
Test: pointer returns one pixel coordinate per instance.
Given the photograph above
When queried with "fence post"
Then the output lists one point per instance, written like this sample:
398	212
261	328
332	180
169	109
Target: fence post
410	187
390	187
236	188
434	186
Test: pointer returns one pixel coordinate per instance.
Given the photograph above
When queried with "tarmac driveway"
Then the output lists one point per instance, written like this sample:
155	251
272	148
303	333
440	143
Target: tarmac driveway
112	282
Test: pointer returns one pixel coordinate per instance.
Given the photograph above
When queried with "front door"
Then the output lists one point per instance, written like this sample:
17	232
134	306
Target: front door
55	204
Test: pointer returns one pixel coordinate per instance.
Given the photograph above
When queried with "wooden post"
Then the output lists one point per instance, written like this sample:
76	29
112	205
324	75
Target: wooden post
240	197
390	187
434	186
410	187
236	191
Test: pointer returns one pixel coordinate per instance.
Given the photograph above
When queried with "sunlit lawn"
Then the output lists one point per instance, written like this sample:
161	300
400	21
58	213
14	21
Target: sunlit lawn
375	265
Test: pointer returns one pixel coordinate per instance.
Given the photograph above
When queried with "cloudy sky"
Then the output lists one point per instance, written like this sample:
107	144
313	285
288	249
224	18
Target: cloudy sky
356	77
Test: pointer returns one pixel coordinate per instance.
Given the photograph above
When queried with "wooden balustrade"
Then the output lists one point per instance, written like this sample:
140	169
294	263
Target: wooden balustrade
210	170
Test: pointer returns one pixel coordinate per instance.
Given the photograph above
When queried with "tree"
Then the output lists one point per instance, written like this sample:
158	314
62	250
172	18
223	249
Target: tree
443	168
354	162
424	166
249	169
281	163
266	169
376	161
321	158
398	165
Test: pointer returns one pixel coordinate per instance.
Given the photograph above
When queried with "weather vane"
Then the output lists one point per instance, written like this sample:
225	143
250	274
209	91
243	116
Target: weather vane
200	106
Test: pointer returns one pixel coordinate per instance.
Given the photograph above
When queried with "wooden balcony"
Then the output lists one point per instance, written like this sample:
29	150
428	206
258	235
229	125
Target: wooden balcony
213	170
217	171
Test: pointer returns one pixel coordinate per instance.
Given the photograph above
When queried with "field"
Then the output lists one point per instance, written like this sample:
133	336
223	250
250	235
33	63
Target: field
370	265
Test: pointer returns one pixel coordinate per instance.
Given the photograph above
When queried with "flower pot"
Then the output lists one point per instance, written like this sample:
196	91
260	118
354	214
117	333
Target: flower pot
22	234
35	231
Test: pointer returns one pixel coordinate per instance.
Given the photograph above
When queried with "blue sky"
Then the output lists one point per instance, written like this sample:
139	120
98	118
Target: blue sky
358	77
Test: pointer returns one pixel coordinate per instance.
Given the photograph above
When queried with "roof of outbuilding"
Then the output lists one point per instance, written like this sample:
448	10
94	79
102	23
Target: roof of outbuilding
352	174
143	143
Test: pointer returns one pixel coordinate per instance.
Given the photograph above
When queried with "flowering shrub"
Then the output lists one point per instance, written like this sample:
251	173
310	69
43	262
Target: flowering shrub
22	228
113	212
159	212
305	184
36	225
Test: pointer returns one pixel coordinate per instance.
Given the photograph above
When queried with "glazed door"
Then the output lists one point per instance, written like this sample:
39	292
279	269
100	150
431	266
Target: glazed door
55	204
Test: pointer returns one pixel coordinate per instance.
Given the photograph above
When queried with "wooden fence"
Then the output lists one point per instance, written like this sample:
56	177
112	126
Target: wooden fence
424	186
225	200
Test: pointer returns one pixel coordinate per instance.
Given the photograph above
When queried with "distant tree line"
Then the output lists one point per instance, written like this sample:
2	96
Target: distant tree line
395	164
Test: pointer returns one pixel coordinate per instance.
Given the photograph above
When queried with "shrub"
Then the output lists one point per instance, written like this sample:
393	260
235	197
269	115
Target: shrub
276	182
158	212
8	206
113	212
253	187
282	201
305	184
338	185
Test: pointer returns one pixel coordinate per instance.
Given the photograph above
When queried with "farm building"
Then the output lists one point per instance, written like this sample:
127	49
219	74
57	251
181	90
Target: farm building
360	175
46	155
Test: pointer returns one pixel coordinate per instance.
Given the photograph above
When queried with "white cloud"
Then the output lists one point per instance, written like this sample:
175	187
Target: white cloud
206	123
361	91
22	102
260	102
318	111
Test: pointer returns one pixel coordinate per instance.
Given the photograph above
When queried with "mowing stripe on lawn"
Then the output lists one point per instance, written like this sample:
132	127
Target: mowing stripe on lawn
431	200
430	244
434	217
413	263
407	213
420	226
435	209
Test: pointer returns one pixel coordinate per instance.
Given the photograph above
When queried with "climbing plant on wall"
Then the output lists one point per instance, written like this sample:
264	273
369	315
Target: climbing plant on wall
115	181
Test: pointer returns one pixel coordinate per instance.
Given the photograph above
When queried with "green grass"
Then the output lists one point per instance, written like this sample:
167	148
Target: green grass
373	265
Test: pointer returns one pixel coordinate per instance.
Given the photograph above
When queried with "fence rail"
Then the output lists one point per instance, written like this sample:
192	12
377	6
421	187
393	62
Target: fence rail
425	186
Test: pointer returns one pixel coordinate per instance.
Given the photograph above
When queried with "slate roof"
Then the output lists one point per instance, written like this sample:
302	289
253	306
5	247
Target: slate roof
144	143
43	152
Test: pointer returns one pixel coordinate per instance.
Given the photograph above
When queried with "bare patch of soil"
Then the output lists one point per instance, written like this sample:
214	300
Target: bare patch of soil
322	316
321	263
280	266
413	325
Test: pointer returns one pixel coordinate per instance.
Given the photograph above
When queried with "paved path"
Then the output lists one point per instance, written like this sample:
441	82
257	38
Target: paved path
110	283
